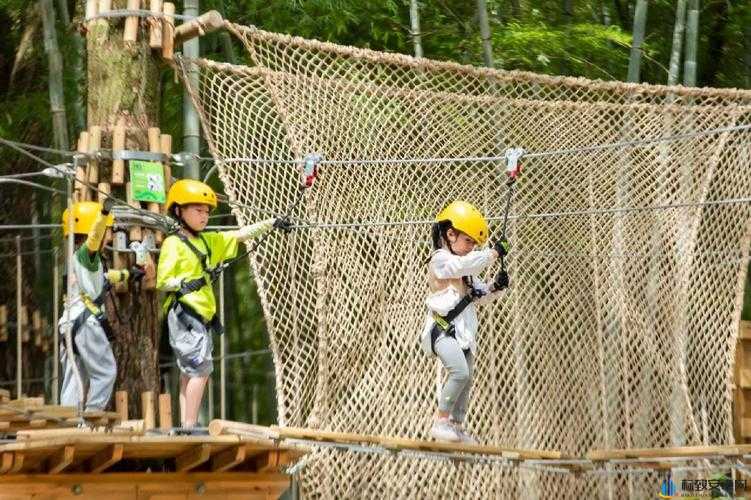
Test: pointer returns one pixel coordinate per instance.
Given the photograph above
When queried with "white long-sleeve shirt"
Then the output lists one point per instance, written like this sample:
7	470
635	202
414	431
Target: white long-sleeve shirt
447	290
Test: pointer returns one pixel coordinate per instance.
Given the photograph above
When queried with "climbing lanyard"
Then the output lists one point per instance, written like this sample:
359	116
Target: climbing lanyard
309	173
513	170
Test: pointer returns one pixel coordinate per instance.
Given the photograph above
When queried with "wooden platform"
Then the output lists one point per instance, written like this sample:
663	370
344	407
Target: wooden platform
221	427
137	466
32	413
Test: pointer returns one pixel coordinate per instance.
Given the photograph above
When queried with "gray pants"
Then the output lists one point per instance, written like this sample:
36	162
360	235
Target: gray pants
96	363
458	363
191	340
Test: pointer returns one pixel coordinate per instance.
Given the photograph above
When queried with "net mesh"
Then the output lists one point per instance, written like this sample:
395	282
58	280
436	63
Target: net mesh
619	328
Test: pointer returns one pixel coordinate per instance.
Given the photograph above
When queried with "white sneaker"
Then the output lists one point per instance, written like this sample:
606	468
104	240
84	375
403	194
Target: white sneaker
442	430
464	436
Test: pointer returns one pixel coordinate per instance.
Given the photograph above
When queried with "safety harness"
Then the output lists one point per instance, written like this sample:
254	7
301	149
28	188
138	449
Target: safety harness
184	309
444	325
93	307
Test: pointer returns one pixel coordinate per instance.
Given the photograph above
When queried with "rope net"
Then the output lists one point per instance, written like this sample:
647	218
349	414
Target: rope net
619	328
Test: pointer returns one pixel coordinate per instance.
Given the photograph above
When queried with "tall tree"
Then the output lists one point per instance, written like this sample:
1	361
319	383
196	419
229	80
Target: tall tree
55	65
640	24
487	44
414	22
675	53
191	127
692	44
77	55
123	84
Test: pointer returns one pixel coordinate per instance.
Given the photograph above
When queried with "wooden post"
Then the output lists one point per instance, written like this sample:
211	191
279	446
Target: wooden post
25	324
168	33
81	191
121	404
104	189
155	146
131	23
118	144
155	25
166	148
91	9
95	144
203	24
147	410
165	411
3	323
135	233
19	326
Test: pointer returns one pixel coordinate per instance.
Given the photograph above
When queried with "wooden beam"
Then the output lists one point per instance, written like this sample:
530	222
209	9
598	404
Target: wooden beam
147	410
59	461
165	411
684	451
218	427
4	393
155	25
121	404
6	462
18	459
130	33
118	144
229	458
202	25
193	458
745	330
95	144
268	461
106	458
81	191
168	33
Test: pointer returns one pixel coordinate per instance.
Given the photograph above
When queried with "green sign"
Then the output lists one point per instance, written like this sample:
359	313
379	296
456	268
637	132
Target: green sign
147	181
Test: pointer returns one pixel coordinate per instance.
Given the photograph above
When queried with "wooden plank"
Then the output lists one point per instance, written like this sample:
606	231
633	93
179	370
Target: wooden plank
6	462
155	25
218	427
130	33
59	461
684	451
165	411
193	458
18	460
147	410
4	326
121	404
95	144
81	191
106	458
437	446
168	33
118	144
135	233
745	330
4	395
228	459
268	462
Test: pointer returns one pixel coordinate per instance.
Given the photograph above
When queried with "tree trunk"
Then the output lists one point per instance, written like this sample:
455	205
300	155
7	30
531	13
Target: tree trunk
55	60
622	12
224	36
747	52
692	44
123	84
640	23
79	49
675	54
716	42
414	22
487	45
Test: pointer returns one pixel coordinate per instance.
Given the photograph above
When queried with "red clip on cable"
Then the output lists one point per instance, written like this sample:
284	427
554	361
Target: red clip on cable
310	170
513	166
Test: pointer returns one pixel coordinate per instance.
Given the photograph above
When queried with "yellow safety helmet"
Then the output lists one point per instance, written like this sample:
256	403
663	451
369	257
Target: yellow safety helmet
466	218
186	191
84	213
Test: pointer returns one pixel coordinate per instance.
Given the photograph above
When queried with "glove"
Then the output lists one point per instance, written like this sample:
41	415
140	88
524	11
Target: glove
107	205
502	247
501	281
136	274
283	224
187	287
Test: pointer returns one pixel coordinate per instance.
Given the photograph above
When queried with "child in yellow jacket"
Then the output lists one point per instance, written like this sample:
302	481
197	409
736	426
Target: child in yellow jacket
185	263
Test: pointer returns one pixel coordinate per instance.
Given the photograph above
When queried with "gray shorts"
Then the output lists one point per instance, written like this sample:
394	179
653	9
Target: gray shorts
191	340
